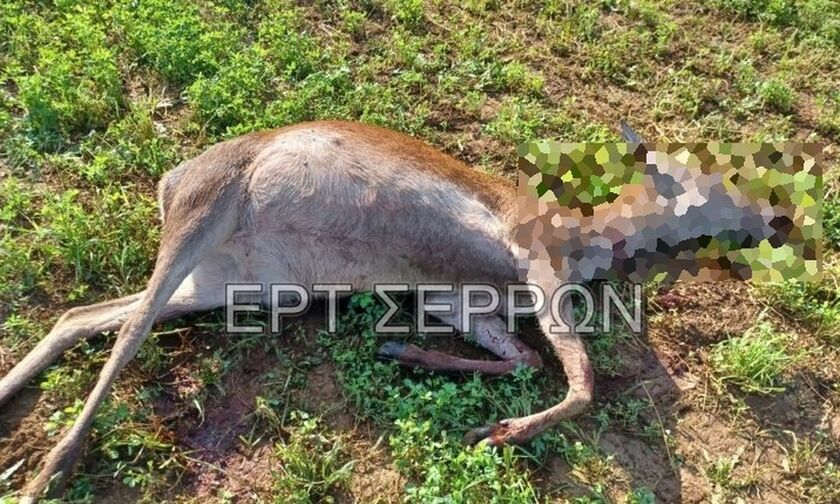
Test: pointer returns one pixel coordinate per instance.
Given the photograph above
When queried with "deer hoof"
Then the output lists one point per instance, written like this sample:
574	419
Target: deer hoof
474	436
391	350
509	431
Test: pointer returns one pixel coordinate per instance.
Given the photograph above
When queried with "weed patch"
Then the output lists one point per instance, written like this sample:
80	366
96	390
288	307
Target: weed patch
756	361
314	463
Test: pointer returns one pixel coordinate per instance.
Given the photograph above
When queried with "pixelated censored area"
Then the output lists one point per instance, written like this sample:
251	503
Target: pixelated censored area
698	211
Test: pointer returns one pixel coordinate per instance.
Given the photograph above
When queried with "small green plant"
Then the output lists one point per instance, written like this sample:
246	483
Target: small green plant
516	76
720	471
71	231
517	121
134	145
630	413
807	462
127	448
816	20
776	95
313	463
18	330
641	495
408	12
231	98
447	470
66	383
354	21
831	222
755	361
815	304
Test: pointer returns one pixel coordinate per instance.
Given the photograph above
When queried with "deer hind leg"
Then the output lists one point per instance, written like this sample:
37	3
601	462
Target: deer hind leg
490	333
572	354
76	324
201	218
85	322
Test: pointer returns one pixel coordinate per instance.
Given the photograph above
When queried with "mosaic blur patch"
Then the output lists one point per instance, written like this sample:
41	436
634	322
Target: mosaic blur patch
659	211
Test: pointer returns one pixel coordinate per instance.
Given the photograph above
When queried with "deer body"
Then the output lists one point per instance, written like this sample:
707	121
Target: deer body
333	202
326	202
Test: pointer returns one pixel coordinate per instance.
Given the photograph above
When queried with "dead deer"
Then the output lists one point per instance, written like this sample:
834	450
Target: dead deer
335	202
317	202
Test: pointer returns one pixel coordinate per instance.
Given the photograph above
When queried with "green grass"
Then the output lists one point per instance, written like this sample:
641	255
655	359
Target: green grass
721	473
816	304
755	361
66	72
126	445
775	94
54	237
831	222
179	40
806	464
315	463
430	413
427	415
817	21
